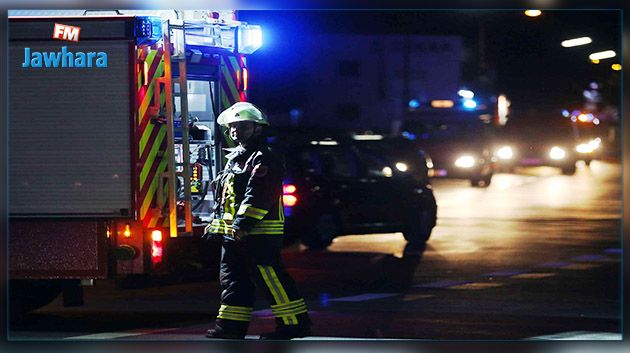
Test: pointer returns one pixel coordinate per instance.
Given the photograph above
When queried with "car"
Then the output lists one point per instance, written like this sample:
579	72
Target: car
339	185
459	144
539	139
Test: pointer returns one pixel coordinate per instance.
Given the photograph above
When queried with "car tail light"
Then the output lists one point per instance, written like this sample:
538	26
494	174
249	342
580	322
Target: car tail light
289	199
156	247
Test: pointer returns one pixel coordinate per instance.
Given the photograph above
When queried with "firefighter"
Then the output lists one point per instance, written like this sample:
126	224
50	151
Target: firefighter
249	217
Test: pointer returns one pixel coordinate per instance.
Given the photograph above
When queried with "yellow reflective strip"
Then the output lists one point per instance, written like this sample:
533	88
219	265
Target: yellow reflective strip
281	209
292	319
291	314
266	231
274	277
253	215
270	285
236	309
151	157
152	188
293	311
227	316
289	304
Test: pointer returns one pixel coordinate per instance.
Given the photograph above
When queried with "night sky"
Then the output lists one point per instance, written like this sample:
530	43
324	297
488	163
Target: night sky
523	56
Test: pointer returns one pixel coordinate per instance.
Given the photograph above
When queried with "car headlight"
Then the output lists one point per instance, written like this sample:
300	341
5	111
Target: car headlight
505	152
595	143
402	166
387	172
557	153
429	163
584	148
465	162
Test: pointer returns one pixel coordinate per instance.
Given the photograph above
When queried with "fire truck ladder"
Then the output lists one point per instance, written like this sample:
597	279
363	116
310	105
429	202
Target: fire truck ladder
178	168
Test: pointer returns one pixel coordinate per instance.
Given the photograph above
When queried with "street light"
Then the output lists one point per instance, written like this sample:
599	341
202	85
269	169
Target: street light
575	42
533	13
616	67
602	55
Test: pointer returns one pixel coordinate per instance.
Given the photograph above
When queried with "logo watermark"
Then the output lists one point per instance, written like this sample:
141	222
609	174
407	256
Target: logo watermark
64	58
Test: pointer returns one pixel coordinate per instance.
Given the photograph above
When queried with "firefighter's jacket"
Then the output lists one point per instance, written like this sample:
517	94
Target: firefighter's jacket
248	192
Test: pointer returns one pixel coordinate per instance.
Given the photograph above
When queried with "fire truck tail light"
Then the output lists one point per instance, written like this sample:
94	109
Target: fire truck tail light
156	235
157	249
127	231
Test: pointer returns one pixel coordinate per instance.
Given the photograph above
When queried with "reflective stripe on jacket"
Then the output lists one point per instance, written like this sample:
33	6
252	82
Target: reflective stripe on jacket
248	192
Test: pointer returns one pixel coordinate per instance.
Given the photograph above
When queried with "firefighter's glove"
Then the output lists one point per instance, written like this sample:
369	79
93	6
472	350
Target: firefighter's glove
207	235
238	234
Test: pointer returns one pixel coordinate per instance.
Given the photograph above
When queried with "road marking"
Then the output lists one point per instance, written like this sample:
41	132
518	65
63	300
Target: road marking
503	273
588	258
317	338
364	297
555	264
581	335
476	286
115	335
412	297
441	284
581	266
534	275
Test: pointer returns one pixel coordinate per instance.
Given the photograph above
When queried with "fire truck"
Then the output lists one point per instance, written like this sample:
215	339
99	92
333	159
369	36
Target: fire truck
110	161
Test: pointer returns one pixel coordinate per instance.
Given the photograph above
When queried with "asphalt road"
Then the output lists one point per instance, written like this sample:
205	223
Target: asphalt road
536	255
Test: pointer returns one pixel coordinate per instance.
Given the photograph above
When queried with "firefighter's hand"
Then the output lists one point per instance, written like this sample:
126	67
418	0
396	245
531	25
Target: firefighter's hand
238	234
207	235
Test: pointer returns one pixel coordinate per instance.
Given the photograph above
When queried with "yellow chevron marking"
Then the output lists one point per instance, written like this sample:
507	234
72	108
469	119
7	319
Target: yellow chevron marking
151	157
230	81
149	95
151	192
144	139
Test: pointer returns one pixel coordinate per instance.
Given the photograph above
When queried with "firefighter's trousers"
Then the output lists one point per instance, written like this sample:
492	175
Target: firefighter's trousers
251	262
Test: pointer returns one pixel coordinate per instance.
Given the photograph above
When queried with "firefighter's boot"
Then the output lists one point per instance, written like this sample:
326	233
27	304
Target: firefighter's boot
287	332
222	330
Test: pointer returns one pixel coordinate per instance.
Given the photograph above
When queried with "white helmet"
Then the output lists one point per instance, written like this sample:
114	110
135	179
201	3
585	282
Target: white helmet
242	111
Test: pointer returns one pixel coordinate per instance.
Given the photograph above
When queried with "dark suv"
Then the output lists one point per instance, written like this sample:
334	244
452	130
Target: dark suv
342	185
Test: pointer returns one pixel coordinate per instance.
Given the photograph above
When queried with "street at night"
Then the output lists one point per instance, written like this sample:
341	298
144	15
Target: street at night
536	255
314	175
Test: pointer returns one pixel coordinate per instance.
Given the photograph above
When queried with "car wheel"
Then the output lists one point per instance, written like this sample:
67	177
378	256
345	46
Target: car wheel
420	222
321	233
569	170
587	162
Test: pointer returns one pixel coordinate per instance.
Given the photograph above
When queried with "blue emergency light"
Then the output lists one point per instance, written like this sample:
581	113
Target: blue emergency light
249	38
470	104
147	29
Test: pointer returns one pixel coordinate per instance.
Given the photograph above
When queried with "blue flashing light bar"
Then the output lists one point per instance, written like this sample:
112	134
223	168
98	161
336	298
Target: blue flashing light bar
470	104
249	38
148	29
